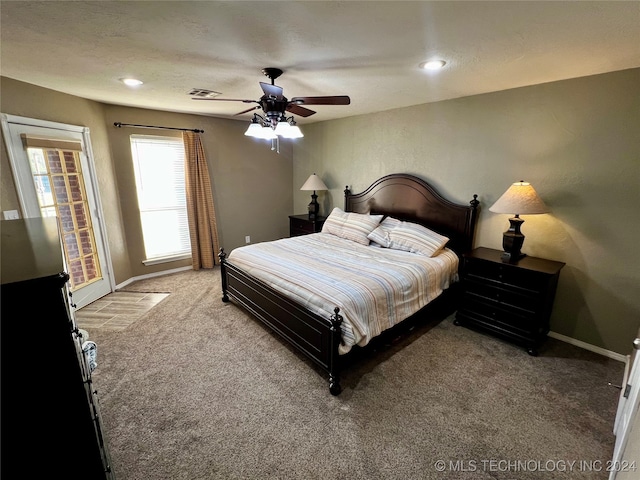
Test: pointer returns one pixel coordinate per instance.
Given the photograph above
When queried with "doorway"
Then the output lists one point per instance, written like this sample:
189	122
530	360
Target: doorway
54	174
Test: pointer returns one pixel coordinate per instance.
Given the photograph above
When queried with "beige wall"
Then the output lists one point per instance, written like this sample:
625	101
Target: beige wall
252	183
576	141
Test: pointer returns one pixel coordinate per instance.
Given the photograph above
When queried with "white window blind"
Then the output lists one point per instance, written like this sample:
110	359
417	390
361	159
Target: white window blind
159	171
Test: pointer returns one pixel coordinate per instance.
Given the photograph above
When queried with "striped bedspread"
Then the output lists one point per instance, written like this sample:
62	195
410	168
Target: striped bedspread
374	287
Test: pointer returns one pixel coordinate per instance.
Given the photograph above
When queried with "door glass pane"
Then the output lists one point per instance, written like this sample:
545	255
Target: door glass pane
43	190
79	213
36	160
57	175
53	160
74	187
66	219
77	272
91	269
71	244
60	189
69	162
49	212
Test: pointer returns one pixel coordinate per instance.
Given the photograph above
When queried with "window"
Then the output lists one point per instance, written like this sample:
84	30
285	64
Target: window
159	170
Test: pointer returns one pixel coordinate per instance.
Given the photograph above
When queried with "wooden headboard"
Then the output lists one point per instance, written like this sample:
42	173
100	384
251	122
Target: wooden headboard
407	197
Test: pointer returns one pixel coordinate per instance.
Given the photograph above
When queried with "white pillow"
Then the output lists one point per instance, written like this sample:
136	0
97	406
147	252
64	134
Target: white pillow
407	236
352	226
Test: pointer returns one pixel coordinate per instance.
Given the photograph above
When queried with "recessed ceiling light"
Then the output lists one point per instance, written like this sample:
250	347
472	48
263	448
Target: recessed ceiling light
132	82
433	65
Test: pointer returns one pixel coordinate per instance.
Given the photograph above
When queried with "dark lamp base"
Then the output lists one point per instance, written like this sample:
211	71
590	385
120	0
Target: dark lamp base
512	241
314	207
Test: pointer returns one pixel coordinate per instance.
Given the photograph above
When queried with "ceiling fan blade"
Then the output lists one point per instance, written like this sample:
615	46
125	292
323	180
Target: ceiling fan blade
271	90
331	100
225	99
248	110
298	110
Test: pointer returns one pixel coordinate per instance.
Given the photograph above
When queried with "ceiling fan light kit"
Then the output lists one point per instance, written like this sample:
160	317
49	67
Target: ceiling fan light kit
274	123
268	128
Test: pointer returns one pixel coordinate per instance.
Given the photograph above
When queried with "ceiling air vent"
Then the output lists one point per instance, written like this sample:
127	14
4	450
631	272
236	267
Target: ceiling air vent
203	93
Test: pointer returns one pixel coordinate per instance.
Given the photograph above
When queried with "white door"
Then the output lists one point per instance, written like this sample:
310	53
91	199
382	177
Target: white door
54	175
627	410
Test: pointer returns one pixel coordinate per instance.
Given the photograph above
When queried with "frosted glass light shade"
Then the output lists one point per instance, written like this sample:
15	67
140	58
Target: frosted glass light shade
254	130
267	133
282	128
520	199
314	183
293	132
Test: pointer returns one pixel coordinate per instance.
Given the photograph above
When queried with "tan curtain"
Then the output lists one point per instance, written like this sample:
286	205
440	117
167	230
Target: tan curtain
202	217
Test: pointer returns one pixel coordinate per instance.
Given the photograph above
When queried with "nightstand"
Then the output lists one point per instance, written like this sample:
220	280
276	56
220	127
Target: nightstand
301	225
510	301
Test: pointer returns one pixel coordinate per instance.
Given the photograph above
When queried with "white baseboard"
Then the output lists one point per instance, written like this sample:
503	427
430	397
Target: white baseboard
588	346
151	275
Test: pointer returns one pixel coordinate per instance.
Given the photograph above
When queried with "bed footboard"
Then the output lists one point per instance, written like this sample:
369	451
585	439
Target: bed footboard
316	337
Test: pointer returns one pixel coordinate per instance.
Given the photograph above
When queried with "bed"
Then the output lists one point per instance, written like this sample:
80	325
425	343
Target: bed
330	292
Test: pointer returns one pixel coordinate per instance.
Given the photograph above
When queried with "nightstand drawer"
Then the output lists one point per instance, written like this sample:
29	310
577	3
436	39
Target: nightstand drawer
508	318
302	226
526	302
518	279
490	325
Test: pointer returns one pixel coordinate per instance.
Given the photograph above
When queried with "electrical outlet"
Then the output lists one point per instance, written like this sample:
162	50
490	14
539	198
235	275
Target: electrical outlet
11	215
247	239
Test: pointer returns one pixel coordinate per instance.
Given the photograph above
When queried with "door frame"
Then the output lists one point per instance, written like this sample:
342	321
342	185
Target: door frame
90	177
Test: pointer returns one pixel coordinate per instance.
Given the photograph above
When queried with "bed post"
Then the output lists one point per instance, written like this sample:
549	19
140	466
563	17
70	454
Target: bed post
223	272
334	360
347	194
471	224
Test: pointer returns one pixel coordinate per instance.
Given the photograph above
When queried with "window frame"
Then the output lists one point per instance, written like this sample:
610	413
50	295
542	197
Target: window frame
175	144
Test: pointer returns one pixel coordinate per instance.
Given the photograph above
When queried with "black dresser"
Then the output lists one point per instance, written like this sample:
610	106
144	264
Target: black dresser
301	225
511	301
51	424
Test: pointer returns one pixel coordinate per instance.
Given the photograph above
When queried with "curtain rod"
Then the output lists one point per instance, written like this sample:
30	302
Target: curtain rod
194	130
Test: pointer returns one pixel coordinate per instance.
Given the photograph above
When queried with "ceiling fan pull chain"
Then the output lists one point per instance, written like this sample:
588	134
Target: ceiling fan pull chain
275	144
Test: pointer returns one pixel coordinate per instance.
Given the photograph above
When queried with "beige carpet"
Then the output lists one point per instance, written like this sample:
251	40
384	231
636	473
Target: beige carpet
196	389
117	311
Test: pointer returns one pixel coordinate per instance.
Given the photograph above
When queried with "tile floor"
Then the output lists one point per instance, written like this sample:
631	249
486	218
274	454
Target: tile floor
117	310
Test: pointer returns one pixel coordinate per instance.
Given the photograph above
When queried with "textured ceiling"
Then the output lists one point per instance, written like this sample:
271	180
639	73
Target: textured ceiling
367	50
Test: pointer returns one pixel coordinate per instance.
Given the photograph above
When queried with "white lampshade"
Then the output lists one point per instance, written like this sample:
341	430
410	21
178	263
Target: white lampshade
314	183
520	199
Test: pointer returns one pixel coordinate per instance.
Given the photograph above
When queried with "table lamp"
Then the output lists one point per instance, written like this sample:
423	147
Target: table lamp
314	183
519	199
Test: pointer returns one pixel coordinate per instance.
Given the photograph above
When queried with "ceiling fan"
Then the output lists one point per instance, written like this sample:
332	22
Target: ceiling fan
274	104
